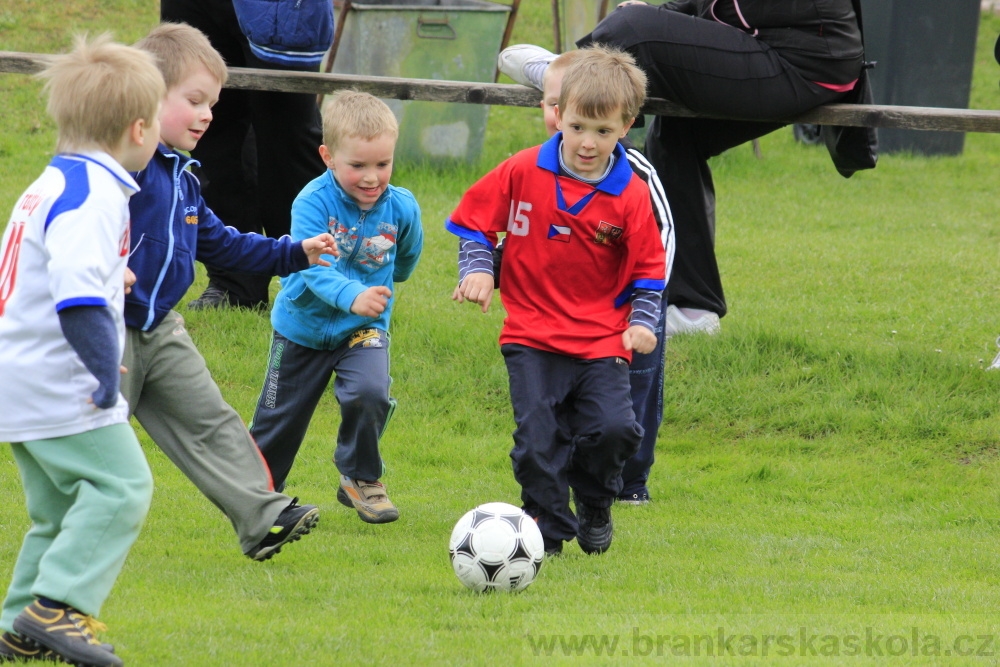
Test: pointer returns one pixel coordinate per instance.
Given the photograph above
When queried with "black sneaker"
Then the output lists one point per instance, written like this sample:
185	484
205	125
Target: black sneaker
212	297
552	547
596	527
641	498
293	522
67	633
15	649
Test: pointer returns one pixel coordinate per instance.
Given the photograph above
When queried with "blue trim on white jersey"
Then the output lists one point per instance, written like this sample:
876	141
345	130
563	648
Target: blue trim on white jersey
466	233
130	186
81	301
77	187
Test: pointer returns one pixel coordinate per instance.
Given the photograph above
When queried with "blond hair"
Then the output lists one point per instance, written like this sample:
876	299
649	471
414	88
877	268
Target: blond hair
562	61
97	90
179	49
601	81
349	113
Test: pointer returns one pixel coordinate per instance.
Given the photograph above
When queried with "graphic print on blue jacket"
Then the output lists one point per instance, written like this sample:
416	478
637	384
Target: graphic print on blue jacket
375	251
378	246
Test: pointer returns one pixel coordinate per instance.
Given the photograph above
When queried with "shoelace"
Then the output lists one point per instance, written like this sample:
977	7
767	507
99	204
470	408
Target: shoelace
89	626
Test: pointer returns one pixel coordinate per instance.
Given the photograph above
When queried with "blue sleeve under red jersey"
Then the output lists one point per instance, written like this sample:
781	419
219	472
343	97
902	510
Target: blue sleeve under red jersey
574	252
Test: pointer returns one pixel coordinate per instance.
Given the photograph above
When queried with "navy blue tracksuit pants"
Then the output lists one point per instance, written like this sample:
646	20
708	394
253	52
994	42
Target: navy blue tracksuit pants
575	430
296	378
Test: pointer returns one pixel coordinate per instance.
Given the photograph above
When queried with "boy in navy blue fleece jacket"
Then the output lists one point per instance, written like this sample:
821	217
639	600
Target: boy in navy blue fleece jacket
168	387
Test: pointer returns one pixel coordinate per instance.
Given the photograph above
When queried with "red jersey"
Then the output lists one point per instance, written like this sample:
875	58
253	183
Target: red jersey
574	251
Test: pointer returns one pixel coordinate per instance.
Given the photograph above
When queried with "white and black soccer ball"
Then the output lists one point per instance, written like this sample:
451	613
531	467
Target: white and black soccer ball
496	547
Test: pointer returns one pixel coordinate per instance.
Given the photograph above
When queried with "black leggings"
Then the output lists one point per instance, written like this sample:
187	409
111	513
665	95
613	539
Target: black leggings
715	70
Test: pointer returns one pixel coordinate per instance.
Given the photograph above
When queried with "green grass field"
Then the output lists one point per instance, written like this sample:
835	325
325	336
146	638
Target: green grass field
827	485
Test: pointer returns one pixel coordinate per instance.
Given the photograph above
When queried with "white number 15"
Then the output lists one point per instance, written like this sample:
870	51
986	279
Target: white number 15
517	223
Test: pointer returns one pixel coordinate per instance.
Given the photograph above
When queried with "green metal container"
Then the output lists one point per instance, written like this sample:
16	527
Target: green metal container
577	19
453	40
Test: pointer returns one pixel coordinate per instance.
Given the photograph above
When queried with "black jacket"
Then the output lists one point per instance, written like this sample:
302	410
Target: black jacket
819	37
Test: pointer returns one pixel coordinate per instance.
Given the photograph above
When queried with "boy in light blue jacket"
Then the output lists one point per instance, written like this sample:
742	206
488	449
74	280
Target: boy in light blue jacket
335	320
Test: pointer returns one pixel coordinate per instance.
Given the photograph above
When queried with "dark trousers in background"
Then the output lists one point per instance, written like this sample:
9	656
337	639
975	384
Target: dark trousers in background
712	69
575	430
645	376
260	150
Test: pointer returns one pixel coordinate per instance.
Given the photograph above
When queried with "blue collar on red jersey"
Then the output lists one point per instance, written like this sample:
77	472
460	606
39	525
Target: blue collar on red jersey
615	182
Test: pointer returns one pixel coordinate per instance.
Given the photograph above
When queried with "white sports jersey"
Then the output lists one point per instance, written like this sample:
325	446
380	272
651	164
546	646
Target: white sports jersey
66	245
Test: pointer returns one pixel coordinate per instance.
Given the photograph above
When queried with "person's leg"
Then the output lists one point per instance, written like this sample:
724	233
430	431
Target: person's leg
288	133
295	381
605	432
88	506
716	70
227	171
645	376
539	385
46	508
362	390
185	414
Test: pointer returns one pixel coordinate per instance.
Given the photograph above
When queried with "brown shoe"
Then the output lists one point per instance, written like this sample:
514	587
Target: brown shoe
369	499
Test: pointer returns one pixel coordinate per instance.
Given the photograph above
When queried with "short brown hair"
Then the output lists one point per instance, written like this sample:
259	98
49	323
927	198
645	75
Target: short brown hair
602	80
97	90
179	48
349	113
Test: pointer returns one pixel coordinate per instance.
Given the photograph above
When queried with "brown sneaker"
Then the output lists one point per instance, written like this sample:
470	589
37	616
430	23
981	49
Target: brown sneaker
369	499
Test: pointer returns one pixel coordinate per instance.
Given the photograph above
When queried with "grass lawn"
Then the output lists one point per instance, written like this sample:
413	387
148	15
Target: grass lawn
827	484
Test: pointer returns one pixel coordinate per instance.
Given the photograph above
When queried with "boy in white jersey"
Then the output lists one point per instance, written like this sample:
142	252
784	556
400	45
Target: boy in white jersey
62	288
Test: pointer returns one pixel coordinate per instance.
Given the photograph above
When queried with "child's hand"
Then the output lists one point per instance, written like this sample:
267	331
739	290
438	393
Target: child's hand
371	302
639	339
324	244
478	288
129	280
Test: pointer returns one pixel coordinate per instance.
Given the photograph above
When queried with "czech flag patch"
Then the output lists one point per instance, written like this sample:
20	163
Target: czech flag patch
559	233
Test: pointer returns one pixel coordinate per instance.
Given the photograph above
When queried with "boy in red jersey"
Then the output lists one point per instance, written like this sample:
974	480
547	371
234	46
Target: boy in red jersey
582	278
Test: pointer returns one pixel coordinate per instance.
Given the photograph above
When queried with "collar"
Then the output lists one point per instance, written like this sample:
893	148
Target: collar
615	182
108	163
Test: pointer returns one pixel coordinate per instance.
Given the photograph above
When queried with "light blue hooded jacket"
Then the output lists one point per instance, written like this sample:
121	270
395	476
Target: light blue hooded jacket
380	246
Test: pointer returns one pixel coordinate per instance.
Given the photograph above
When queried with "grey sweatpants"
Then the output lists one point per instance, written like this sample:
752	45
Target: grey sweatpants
172	394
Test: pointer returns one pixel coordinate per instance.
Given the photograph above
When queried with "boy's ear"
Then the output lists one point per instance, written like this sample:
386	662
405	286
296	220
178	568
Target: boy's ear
628	126
555	107
326	156
137	132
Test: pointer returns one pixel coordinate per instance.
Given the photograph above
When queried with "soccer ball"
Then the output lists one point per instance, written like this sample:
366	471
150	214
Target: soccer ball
496	547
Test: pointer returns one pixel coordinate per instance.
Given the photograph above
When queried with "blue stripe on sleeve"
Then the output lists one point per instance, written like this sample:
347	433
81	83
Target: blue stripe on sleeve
466	233
81	301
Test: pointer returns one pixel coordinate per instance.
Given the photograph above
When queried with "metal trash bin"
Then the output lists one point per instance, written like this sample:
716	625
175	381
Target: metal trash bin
925	51
454	40
573	19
